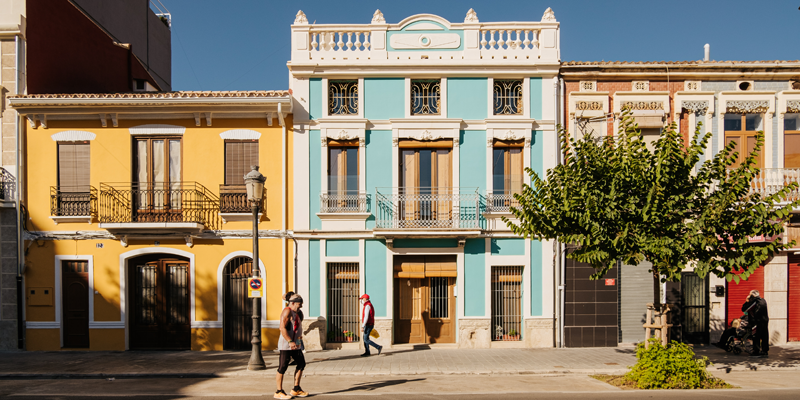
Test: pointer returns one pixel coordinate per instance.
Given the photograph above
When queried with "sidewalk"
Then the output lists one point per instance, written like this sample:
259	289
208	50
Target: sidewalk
419	360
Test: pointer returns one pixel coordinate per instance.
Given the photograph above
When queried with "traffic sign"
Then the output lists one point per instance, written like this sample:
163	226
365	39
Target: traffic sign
254	287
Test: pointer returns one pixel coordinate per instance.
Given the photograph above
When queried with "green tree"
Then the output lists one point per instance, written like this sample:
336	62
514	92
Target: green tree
616	200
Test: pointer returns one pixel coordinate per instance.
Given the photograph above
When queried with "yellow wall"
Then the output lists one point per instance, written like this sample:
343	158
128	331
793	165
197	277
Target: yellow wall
111	161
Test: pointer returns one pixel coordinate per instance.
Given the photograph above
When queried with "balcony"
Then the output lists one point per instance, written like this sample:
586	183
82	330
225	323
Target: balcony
73	204
233	205
448	211
770	180
157	208
343	210
8	186
500	203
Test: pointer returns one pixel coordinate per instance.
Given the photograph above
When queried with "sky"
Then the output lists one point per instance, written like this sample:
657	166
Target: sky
244	44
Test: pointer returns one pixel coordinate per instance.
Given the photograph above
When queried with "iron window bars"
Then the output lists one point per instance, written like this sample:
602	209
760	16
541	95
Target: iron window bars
343	97
425	97
508	97
507	303
343	309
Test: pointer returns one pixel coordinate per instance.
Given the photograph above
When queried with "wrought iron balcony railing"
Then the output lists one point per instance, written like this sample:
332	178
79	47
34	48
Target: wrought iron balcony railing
343	202
73	201
428	208
158	202
500	202
8	185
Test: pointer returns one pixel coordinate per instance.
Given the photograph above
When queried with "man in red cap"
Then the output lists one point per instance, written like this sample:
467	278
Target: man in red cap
367	323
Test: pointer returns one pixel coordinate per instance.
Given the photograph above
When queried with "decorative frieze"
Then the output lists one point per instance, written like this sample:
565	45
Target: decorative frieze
695	106
642	105
589	105
641	86
793	106
691	86
747	106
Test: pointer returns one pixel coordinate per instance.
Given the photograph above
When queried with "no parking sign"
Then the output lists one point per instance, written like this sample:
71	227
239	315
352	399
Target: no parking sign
254	286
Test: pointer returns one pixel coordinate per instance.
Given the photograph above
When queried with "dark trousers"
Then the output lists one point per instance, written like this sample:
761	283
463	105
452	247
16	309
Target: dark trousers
367	342
761	340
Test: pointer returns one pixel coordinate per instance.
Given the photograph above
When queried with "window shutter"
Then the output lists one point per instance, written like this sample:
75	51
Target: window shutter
73	167
239	156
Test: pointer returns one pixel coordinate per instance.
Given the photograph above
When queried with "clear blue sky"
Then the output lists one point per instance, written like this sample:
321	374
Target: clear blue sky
244	44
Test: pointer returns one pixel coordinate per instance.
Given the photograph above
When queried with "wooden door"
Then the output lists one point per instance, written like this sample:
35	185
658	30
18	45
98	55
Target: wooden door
439	315
75	305
409	300
238	322
160	294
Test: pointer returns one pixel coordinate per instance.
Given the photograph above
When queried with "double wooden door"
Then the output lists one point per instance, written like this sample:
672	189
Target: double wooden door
159	289
425	310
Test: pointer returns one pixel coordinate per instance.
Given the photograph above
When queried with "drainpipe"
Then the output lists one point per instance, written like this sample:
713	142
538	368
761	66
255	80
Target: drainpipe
283	200
20	215
560	265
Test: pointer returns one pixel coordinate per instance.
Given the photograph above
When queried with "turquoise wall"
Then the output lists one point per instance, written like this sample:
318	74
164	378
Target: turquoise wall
314	179
508	247
314	284
536	98
379	167
375	279
467	98
536	278
384	98
474	277
424	243
315	98
537	153
472	168
341	248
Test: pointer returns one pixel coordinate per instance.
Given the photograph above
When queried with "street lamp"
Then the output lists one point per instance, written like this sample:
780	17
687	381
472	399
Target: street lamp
254	181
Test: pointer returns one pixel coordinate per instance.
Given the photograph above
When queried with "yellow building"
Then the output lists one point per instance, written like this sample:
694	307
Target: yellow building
139	235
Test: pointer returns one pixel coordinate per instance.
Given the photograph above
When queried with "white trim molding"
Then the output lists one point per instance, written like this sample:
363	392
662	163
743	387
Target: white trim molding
73	136
240	134
157	129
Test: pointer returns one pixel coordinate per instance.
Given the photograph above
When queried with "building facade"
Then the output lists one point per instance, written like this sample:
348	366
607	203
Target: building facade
410	141
733	100
139	234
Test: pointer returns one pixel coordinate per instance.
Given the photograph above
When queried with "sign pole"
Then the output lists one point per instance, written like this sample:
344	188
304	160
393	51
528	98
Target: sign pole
256	360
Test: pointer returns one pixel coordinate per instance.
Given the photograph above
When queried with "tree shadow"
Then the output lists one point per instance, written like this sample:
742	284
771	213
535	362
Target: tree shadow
375	385
779	357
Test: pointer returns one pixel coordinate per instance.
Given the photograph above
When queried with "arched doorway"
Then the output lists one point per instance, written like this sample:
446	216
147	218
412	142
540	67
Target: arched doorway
238	315
159	289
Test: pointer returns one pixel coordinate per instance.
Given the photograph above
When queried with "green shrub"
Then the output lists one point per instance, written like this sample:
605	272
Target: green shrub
670	367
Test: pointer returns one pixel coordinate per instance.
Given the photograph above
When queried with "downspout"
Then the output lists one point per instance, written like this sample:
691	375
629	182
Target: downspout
283	199
561	263
20	215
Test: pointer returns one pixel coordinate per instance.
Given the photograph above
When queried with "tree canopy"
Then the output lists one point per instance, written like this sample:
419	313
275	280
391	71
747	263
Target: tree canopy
617	200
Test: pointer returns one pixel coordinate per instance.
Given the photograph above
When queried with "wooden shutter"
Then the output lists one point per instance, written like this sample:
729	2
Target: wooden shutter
239	156
73	166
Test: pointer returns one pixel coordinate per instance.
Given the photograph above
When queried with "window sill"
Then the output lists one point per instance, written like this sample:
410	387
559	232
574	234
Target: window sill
85	219
353	221
238	217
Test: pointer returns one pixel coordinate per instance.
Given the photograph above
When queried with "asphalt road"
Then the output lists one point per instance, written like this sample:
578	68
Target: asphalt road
760	385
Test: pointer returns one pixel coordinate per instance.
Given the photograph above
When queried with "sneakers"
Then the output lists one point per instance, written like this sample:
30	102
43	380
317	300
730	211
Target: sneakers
298	392
280	394
380	349
366	354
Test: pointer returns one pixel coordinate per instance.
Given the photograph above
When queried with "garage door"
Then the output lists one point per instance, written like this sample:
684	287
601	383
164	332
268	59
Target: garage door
590	307
794	299
737	293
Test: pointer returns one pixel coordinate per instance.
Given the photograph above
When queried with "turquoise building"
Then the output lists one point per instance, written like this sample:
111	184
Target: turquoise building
410	141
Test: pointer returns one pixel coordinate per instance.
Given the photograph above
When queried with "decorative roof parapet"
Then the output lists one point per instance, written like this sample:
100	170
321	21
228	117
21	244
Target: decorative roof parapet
377	18
300	18
643	105
747	106
160	95
793	106
549	15
472	17
695	106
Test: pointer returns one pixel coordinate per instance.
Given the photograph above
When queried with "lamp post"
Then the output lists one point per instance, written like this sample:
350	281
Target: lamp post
254	181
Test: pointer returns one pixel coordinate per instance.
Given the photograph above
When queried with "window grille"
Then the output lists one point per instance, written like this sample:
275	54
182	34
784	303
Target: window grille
507	303
343	97
508	97
146	294
440	298
344	311
425	97
178	294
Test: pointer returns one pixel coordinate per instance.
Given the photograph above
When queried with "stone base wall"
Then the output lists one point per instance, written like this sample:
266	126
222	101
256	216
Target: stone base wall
315	333
384	329
776	278
8	278
539	333
474	333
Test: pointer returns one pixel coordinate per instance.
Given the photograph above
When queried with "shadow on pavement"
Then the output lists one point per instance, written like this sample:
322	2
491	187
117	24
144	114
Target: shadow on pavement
375	385
779	357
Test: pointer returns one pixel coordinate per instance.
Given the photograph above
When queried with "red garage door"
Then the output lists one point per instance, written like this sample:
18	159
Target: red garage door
738	293
794	299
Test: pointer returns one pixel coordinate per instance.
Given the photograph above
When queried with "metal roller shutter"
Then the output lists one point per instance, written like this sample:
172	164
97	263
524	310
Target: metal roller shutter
636	290
793	334
736	294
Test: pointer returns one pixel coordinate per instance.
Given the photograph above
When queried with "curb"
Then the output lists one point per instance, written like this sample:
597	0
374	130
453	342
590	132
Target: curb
107	376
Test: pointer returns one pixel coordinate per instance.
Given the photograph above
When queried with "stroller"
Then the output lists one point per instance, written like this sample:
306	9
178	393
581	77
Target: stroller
742	340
